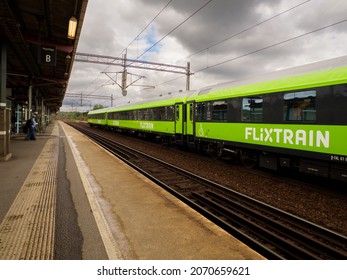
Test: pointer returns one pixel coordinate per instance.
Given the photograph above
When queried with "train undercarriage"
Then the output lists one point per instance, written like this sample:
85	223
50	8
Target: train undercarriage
251	158
247	155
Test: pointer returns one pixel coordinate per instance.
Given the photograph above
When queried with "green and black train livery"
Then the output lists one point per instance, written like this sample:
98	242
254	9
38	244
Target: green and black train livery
294	118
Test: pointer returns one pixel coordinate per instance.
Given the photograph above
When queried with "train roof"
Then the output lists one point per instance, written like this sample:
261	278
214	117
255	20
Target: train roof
152	103
328	72
164	101
98	111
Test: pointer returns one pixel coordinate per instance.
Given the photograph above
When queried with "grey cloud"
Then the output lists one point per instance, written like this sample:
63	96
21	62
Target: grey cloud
111	25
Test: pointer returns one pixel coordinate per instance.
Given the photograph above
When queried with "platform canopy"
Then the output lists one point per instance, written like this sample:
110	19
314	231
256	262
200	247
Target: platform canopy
39	53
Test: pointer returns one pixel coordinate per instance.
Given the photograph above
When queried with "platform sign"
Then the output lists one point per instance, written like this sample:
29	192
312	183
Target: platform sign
47	55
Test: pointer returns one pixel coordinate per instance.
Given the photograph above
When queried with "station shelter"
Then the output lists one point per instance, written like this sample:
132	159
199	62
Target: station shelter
38	42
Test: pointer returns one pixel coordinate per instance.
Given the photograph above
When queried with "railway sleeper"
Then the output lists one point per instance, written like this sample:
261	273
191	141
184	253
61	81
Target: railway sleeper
241	222
296	231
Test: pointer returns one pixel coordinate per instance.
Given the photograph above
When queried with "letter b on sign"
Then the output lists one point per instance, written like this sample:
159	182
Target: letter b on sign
48	56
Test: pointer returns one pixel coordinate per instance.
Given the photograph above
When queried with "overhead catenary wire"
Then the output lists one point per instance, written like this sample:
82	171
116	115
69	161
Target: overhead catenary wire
245	30
238	33
203	6
262	49
183	22
143	30
96	78
272	45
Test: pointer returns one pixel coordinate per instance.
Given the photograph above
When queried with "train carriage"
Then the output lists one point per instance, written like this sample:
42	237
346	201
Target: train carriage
291	118
97	117
295	118
163	119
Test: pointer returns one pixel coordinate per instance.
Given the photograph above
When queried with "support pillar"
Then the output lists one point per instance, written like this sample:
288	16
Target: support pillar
43	121
5	114
18	117
30	101
188	77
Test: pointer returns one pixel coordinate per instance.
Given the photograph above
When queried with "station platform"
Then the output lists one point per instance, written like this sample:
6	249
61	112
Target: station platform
64	197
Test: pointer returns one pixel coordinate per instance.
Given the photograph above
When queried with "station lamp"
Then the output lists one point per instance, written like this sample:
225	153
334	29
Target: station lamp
71	32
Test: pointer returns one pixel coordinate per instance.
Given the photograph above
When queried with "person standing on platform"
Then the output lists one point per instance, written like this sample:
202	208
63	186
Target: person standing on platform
31	126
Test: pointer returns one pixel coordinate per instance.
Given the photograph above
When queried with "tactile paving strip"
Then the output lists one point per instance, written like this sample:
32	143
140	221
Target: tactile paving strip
27	231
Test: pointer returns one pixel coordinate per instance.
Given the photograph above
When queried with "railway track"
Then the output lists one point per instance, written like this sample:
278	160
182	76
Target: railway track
273	233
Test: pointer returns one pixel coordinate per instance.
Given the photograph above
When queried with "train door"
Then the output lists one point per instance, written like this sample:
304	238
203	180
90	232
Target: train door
106	119
190	122
179	122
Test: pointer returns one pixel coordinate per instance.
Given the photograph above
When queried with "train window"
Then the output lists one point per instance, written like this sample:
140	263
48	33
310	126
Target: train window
252	109
100	116
150	114
146	114
136	114
161	114
170	113
336	104
124	115
219	110
201	111
143	115
139	115
177	112
158	114
155	114
132	115
300	106
209	111
191	111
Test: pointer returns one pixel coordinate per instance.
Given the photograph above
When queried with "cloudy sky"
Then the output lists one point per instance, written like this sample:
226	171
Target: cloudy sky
223	40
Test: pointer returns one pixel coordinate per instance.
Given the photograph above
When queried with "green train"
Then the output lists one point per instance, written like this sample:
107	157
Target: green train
294	118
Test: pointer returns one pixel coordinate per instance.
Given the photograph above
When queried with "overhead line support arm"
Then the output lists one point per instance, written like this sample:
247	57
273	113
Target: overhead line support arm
134	63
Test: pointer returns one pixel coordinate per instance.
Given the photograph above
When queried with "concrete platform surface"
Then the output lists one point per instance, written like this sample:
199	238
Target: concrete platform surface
93	206
146	221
